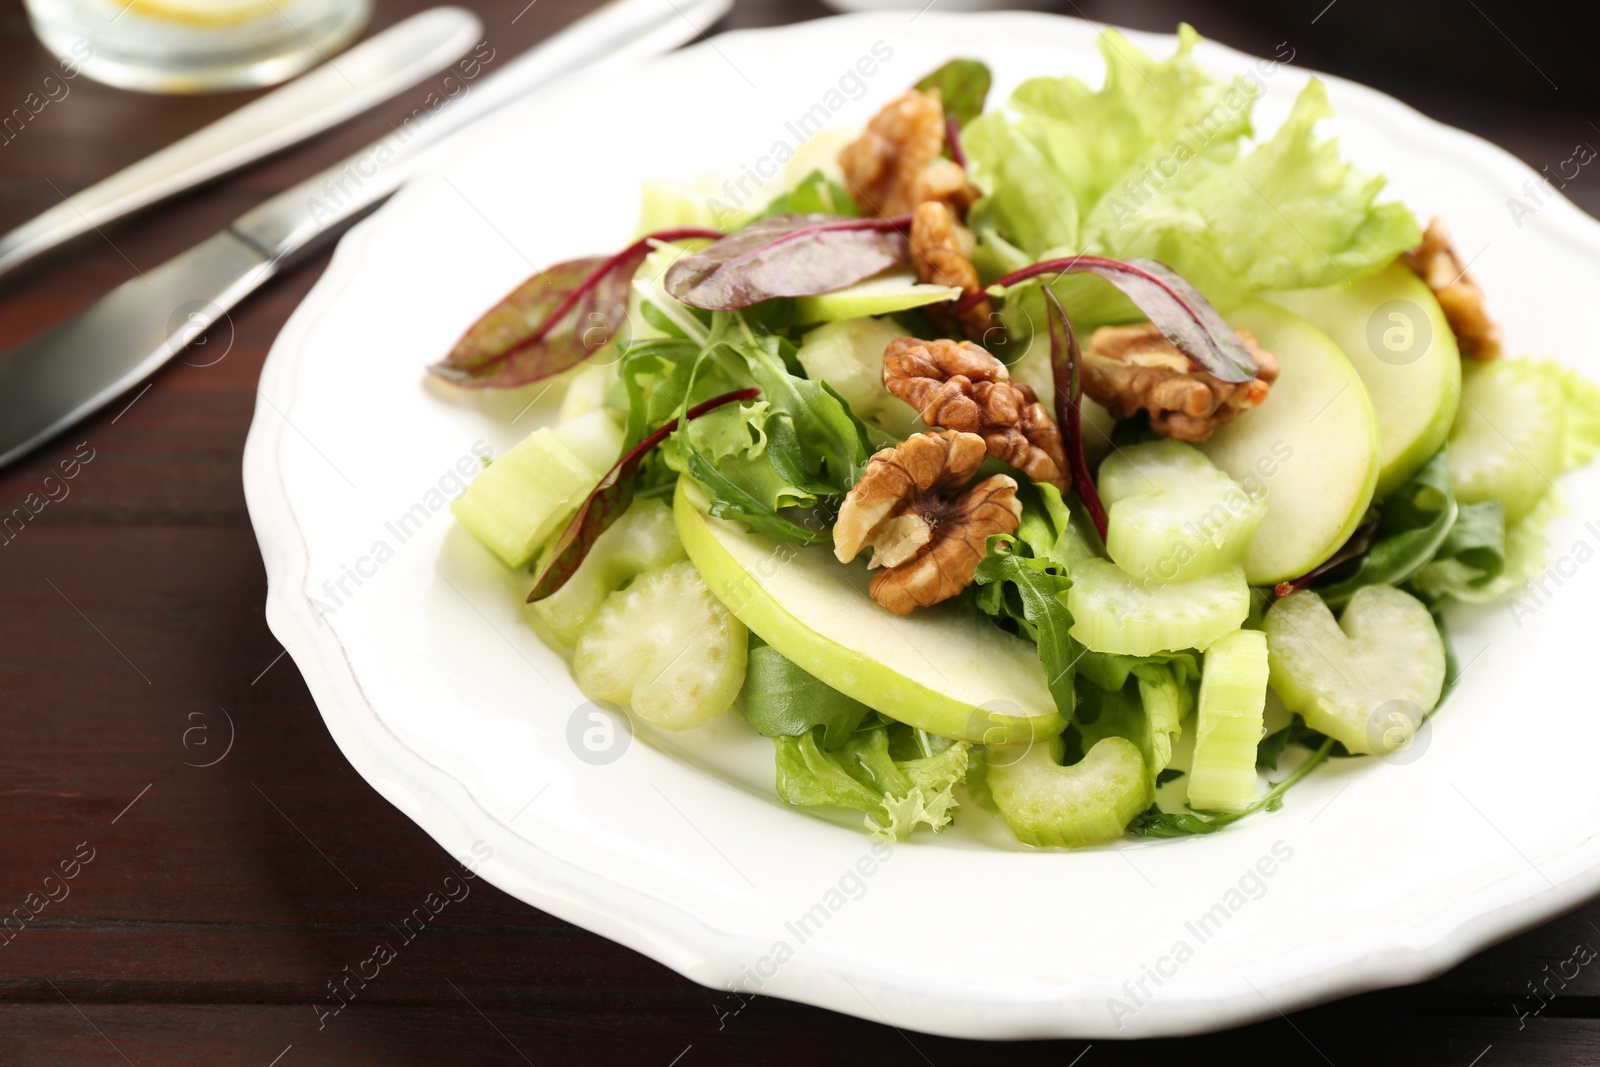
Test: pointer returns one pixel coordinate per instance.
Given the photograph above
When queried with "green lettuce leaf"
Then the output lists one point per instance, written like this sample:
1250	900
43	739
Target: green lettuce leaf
1154	165
896	795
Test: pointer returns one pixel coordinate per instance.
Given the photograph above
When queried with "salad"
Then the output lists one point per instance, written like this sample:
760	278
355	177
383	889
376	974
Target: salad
1076	461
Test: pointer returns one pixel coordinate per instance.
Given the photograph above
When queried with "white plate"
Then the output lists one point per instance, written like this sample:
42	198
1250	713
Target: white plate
447	703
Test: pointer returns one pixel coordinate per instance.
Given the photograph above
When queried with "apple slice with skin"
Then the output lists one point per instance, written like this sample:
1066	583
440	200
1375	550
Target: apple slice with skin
883	294
1311	447
941	669
1391	329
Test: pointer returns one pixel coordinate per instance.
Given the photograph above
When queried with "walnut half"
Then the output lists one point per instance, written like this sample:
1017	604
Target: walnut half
1129	369
925	531
960	386
1437	264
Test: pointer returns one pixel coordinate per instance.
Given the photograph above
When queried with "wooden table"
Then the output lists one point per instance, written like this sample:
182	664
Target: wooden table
213	905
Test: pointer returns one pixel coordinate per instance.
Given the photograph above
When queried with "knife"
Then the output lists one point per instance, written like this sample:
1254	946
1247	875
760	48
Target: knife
368	74
61	376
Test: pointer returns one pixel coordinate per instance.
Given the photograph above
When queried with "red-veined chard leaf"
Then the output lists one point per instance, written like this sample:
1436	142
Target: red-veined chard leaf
611	498
1177	309
553	321
1067	371
963	86
787	255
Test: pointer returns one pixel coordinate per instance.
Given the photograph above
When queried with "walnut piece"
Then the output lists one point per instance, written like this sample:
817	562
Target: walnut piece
925	531
1437	264
895	168
895	164
882	165
1130	369
940	251
960	386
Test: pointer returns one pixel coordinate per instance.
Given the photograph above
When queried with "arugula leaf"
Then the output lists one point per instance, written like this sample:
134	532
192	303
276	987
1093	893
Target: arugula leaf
1472	557
1272	747
1041	611
1414	522
801	446
1157	823
816	194
782	700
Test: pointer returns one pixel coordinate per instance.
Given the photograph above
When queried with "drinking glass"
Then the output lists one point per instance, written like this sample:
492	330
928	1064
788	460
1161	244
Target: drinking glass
195	46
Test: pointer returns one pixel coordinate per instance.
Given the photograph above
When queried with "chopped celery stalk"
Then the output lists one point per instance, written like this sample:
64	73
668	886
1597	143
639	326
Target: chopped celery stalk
893	290
1233	694
1052	806
1367	680
594	437
643	539
587	391
1113	611
665	647
848	355
517	501
1510	436
669	206
1172	514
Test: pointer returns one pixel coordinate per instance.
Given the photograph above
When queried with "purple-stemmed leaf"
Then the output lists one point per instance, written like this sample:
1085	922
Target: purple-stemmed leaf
787	255
553	321
952	143
1066	368
1175	307
613	496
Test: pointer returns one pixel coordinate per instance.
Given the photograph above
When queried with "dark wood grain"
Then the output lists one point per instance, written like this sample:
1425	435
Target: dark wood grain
217	908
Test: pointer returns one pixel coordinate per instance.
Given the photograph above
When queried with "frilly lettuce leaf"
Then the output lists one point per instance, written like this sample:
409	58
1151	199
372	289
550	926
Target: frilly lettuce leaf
896	795
1153	165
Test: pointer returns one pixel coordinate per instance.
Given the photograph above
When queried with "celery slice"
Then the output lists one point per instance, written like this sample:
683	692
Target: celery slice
1367	680
1113	611
1173	515
643	539
848	355
517	501
1049	805
666	647
1233	693
1509	439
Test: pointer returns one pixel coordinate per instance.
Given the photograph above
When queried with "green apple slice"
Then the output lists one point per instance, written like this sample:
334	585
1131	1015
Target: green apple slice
941	669
1312	448
882	294
1391	329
